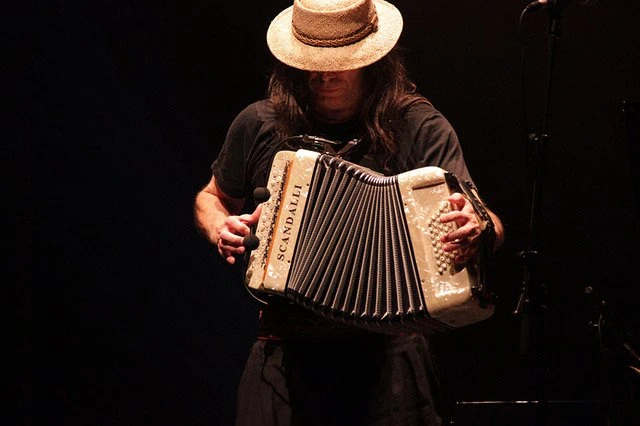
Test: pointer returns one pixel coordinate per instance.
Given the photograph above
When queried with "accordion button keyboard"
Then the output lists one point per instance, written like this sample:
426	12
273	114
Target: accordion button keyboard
437	230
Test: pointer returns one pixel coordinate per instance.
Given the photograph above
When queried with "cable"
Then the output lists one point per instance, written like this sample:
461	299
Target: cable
605	371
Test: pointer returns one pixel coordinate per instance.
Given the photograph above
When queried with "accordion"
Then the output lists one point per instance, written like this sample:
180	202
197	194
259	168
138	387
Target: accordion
356	246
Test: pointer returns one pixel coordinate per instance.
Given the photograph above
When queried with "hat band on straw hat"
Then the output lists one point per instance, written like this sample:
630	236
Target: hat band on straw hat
342	41
319	29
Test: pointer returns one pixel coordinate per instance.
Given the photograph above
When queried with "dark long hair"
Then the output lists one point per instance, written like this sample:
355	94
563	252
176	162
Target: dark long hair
388	91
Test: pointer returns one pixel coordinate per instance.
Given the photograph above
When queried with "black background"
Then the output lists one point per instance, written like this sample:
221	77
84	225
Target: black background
121	313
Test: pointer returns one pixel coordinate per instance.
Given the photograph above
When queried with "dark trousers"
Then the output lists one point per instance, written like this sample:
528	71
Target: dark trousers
378	381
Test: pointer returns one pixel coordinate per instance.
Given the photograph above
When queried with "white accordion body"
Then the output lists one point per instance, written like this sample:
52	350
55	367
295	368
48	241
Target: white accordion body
357	246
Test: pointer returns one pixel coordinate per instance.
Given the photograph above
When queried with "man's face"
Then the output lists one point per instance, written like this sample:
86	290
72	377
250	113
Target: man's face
336	95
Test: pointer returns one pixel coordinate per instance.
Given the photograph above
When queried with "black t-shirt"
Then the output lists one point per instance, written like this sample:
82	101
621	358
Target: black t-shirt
425	138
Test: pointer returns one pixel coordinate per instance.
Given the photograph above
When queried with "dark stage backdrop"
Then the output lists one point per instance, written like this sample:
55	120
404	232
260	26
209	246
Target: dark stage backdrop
122	314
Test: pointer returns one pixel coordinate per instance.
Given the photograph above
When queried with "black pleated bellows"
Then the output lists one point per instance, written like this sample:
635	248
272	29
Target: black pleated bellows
353	259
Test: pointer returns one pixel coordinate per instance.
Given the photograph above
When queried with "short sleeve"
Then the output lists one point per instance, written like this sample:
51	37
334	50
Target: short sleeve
434	142
229	168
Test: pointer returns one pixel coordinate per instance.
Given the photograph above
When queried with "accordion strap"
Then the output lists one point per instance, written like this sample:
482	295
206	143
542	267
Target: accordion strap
322	145
487	227
486	224
469	190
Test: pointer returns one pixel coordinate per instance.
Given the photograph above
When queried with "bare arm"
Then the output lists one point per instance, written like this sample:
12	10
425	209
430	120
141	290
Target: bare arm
217	216
499	229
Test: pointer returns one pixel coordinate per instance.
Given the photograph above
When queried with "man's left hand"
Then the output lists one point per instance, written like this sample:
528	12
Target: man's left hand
466	238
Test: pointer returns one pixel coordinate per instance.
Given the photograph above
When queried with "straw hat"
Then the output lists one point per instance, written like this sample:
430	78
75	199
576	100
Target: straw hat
334	35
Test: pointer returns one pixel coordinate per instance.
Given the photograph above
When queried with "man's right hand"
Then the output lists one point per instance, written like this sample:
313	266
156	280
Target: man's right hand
232	233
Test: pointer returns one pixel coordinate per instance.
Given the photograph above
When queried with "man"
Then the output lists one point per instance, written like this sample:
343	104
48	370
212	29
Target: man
338	76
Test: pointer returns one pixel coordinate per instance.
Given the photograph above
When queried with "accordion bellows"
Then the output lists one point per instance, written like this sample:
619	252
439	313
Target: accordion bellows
360	247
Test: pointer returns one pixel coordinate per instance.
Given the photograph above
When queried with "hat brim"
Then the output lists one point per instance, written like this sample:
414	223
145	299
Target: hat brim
288	49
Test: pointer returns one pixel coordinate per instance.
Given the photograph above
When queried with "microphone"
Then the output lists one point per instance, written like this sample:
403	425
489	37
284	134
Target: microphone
552	4
317	141
261	194
251	242
537	4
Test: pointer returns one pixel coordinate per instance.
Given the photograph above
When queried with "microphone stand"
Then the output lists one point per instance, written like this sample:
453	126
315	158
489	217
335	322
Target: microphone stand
616	348
530	308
